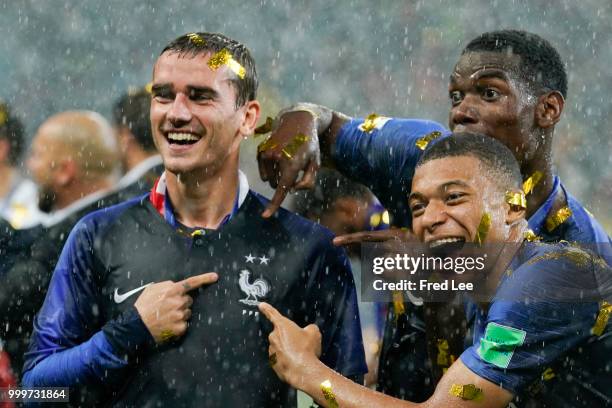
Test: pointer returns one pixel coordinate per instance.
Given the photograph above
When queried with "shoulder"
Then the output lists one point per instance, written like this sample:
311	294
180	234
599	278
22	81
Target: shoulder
99	220
583	227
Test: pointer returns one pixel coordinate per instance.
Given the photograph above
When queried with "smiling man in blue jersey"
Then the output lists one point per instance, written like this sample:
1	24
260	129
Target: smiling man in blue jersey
510	85
131	318
541	320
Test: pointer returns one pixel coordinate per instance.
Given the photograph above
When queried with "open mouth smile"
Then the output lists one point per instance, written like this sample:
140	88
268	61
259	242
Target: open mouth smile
182	138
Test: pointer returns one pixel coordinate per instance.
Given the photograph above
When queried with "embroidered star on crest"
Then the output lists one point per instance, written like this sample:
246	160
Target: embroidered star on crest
263	260
249	258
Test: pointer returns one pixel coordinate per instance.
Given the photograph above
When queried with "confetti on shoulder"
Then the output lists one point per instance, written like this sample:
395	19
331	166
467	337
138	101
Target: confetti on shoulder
373	121
424	141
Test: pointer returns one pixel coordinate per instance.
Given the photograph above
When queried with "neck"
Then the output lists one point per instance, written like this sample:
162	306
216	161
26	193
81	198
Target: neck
6	179
541	162
78	191
203	200
136	157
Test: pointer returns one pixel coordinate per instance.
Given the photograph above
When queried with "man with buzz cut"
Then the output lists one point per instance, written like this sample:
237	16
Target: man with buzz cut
510	85
130	317
540	318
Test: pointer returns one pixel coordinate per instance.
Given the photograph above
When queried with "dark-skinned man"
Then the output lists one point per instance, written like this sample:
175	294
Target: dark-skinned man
510	85
538	322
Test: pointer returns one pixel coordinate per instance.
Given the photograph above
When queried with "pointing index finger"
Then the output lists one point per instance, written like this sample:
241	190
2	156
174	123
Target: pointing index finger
194	282
273	315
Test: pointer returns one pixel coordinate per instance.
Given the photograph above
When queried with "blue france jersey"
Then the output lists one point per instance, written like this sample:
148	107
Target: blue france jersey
537	324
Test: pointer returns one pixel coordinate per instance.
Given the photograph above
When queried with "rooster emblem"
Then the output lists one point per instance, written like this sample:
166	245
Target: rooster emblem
259	288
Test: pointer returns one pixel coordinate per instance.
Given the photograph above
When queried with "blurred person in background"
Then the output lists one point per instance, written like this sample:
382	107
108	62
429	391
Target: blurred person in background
72	159
140	160
17	193
346	207
510	85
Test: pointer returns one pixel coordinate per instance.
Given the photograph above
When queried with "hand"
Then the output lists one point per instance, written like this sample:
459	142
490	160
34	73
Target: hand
294	349
281	171
165	307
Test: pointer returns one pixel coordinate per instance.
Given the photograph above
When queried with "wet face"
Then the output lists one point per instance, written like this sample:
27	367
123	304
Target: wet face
449	197
193	116
488	97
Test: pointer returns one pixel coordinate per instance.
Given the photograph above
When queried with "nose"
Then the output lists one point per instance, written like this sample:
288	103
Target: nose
434	215
179	113
463	114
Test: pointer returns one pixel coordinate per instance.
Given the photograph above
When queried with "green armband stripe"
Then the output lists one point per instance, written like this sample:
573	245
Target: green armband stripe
498	344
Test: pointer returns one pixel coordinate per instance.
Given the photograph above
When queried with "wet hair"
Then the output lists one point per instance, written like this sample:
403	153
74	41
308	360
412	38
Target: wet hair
11	129
540	67
201	43
132	111
496	158
330	186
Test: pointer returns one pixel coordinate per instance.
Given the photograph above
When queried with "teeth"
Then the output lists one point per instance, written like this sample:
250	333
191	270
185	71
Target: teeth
443	241
178	137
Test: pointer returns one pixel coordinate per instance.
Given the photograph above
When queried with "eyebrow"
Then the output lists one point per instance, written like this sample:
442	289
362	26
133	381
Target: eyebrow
490	73
203	90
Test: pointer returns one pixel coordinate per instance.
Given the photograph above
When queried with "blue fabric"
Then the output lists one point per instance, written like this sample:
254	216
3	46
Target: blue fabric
66	347
384	159
525	301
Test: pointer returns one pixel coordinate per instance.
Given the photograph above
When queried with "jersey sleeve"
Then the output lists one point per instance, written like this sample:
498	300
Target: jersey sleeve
71	345
525	336
383	157
333	300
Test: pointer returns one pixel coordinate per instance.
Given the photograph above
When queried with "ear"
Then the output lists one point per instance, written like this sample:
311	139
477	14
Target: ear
252	110
549	109
66	171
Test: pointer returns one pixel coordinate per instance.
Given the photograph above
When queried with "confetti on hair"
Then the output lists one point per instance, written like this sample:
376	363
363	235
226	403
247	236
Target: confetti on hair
532	181
196	39
328	394
224	57
558	218
424	141
516	198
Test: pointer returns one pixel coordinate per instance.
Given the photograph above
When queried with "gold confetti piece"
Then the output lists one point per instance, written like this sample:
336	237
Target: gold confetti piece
197	233
328	394
385	218
466	392
166	335
224	57
3	115
196	39
373	121
532	181
442	358
530	236
265	128
602	319
266	145
548	374
149	88
398	304
483	228
294	145
424	141
516	198
375	220
558	218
